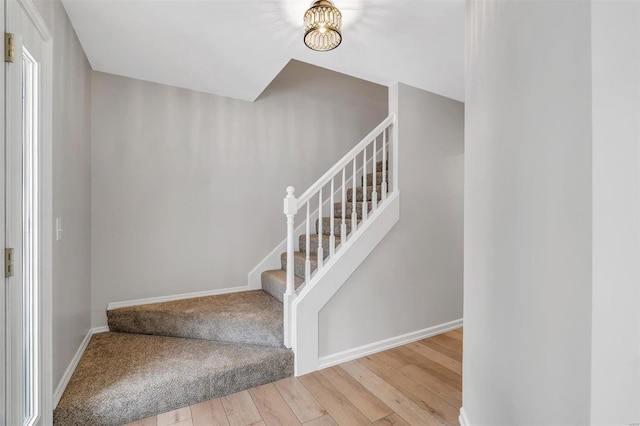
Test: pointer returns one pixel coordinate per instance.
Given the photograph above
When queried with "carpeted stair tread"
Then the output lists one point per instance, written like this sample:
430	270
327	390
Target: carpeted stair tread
337	209
379	166
337	226
299	260
274	282
360	193
313	244
125	377
251	317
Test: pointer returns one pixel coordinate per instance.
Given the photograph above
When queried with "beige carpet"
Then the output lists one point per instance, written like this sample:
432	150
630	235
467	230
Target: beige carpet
124	377
250	317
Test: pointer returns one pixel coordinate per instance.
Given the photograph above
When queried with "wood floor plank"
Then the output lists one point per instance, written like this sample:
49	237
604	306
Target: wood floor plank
384	358
272	406
173	417
240	409
393	419
394	398
445	361
149	421
361	398
448	342
418	383
456	334
299	399
453	354
426	399
209	413
336	404
435	385
443	373
325	420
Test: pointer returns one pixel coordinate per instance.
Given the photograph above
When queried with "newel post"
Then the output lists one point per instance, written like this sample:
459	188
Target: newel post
290	210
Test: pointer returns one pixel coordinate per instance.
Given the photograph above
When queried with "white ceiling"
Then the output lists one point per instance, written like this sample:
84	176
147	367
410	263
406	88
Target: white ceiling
235	48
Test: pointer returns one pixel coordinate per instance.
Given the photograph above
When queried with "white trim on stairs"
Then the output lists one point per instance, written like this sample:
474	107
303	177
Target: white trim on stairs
171	298
64	381
383	345
463	419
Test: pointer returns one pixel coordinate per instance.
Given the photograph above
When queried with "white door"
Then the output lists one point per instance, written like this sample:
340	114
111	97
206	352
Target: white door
27	389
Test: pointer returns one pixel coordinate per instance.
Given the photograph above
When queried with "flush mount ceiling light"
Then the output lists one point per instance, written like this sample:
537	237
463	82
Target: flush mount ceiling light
322	26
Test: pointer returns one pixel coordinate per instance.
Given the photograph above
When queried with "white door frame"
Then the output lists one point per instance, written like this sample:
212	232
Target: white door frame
46	204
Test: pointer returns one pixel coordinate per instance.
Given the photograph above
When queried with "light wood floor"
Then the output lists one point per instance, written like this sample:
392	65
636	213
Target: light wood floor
417	384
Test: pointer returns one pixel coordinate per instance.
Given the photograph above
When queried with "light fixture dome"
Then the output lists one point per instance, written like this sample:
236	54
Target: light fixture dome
322	26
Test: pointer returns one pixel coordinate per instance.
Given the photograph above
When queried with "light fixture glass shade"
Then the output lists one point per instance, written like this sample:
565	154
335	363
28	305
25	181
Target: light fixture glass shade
322	26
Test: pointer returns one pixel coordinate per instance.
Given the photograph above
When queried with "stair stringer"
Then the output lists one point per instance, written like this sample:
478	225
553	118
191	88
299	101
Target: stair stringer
326	283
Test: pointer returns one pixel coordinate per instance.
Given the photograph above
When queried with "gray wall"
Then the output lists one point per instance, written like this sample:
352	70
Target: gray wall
188	187
615	362
527	292
413	279
71	187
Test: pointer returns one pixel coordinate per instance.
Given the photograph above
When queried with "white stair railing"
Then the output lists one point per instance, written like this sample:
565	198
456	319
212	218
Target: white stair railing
383	132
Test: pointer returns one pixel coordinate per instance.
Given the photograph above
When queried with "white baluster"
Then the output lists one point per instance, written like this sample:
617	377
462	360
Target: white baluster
320	232
384	165
343	227
354	203
364	185
307	263
374	193
290	210
332	237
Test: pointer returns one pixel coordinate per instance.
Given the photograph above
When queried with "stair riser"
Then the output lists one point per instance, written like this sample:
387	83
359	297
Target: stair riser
275	283
378	179
379	166
313	244
298	265
360	193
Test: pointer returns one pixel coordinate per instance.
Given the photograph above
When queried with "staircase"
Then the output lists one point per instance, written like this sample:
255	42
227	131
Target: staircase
274	281
163	356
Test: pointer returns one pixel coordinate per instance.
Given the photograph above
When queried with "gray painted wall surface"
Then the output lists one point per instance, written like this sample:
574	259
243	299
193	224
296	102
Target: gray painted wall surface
188	187
615	362
71	187
527	267
413	279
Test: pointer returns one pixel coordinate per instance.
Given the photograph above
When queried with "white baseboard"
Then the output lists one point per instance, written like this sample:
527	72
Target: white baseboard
383	345
464	421
147	301
64	381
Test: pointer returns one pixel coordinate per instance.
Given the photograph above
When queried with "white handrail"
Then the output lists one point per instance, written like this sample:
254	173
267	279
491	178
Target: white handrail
324	179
